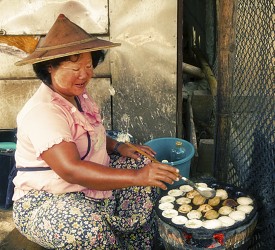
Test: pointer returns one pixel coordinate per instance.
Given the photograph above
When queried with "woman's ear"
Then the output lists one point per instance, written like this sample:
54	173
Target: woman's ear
50	69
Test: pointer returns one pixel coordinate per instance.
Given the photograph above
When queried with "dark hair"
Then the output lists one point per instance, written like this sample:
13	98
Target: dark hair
41	68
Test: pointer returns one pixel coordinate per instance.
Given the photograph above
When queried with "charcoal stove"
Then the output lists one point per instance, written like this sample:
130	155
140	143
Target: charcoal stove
181	237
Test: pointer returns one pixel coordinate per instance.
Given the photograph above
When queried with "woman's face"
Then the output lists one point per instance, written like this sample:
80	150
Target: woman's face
71	77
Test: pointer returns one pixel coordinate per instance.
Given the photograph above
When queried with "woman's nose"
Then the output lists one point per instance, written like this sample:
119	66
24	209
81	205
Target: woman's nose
85	73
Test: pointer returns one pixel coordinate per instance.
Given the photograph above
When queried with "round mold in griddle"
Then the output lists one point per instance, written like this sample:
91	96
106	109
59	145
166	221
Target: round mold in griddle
233	193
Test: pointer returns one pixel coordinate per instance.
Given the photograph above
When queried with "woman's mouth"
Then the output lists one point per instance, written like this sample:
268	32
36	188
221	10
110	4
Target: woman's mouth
80	85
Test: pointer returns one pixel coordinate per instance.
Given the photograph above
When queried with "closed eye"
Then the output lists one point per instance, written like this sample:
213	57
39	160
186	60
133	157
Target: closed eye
76	69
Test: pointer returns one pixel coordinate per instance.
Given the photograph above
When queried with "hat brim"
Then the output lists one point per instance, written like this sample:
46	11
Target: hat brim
46	55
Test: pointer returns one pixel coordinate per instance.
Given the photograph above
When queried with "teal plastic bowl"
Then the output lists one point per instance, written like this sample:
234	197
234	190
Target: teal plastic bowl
163	147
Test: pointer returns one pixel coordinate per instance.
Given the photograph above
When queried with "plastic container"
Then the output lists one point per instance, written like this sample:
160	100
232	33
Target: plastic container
163	148
6	163
7	149
178	152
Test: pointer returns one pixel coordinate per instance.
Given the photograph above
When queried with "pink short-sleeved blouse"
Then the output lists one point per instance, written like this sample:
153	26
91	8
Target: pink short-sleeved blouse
48	119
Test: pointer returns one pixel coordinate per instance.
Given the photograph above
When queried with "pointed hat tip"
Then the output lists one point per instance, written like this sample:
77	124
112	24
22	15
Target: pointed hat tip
61	16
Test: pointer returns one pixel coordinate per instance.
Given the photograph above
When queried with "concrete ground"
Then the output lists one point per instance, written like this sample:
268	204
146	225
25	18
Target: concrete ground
6	224
10	238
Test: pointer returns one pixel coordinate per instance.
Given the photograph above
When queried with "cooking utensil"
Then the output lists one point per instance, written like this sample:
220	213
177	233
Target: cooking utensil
204	191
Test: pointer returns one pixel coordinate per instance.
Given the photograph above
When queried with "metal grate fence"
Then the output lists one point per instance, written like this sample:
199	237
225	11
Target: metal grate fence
252	132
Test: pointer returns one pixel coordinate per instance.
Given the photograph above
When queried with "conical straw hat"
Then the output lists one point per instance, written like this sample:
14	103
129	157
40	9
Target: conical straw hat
63	39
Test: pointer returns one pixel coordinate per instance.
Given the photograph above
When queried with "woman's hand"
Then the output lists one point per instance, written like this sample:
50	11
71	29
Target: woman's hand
126	150
157	174
153	174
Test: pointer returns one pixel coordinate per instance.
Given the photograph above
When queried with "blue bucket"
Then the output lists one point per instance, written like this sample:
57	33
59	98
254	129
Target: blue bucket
163	147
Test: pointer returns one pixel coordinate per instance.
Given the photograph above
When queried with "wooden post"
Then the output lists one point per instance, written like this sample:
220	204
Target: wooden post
226	52
179	127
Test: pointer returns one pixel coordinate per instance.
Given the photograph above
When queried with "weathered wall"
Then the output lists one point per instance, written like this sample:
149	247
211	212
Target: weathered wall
142	71
144	67
35	18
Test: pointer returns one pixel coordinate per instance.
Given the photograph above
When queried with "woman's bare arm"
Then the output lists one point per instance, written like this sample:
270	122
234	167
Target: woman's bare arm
64	159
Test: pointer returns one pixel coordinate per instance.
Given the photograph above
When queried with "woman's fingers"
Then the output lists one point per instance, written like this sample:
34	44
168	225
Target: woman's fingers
134	151
168	168
159	174
147	150
167	177
162	180
161	185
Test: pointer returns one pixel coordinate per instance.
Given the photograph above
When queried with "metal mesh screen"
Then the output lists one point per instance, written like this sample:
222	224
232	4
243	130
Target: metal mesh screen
252	132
